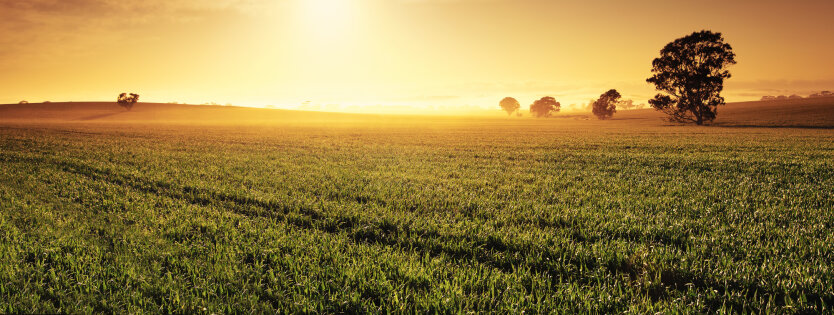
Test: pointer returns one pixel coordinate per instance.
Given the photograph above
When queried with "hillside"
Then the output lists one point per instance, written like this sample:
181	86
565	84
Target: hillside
809	112
156	112
804	113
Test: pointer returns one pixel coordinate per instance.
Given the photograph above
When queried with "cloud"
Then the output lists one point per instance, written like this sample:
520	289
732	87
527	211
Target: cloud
46	12
49	30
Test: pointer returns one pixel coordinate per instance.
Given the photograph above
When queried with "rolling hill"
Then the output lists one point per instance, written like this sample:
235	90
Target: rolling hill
804	113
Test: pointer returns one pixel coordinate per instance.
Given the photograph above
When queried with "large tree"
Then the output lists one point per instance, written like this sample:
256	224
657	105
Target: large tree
545	106
606	105
690	72
510	105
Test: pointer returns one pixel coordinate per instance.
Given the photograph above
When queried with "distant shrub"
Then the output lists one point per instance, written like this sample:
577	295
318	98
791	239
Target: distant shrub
127	100
545	107
23	102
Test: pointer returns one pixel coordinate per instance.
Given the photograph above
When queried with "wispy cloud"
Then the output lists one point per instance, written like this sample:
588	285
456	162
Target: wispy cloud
52	29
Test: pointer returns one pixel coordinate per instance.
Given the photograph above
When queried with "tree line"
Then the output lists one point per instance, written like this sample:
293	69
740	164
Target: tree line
689	74
604	107
796	97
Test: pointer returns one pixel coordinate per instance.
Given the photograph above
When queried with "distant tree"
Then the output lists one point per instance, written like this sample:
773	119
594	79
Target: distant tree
509	105
821	94
626	104
691	71
23	102
127	100
629	104
781	98
795	97
606	105
545	107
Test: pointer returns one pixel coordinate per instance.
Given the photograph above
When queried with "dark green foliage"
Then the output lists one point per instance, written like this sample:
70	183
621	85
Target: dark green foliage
545	107
606	105
450	219
691	71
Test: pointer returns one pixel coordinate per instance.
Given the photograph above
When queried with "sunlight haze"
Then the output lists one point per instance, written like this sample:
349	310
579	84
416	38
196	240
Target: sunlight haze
396	56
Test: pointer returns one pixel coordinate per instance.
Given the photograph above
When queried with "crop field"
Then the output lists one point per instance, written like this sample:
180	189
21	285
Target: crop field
450	216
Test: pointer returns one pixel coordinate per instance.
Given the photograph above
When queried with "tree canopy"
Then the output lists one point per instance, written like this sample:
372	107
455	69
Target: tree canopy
690	73
510	105
545	107
127	100
606	105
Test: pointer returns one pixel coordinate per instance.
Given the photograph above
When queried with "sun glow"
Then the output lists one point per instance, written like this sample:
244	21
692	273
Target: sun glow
418	55
326	18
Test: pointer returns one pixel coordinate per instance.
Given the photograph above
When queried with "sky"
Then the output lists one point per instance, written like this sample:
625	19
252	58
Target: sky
394	56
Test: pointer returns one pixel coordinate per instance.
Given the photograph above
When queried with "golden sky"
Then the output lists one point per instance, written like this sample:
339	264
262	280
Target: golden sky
450	56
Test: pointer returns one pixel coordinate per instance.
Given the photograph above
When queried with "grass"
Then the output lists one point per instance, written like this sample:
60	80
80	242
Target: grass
457	216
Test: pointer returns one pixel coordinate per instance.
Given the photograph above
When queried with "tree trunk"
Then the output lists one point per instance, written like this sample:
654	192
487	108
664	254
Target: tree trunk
699	118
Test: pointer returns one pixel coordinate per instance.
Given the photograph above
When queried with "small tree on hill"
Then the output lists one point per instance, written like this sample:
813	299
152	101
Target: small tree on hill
23	102
821	94
545	107
509	105
691	71
606	105
127	100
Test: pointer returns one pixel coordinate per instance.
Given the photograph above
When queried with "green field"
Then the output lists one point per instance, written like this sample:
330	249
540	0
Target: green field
421	215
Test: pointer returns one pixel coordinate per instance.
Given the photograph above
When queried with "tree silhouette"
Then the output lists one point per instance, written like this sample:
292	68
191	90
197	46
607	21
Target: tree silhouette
23	102
691	71
606	105
544	107
510	105
127	100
